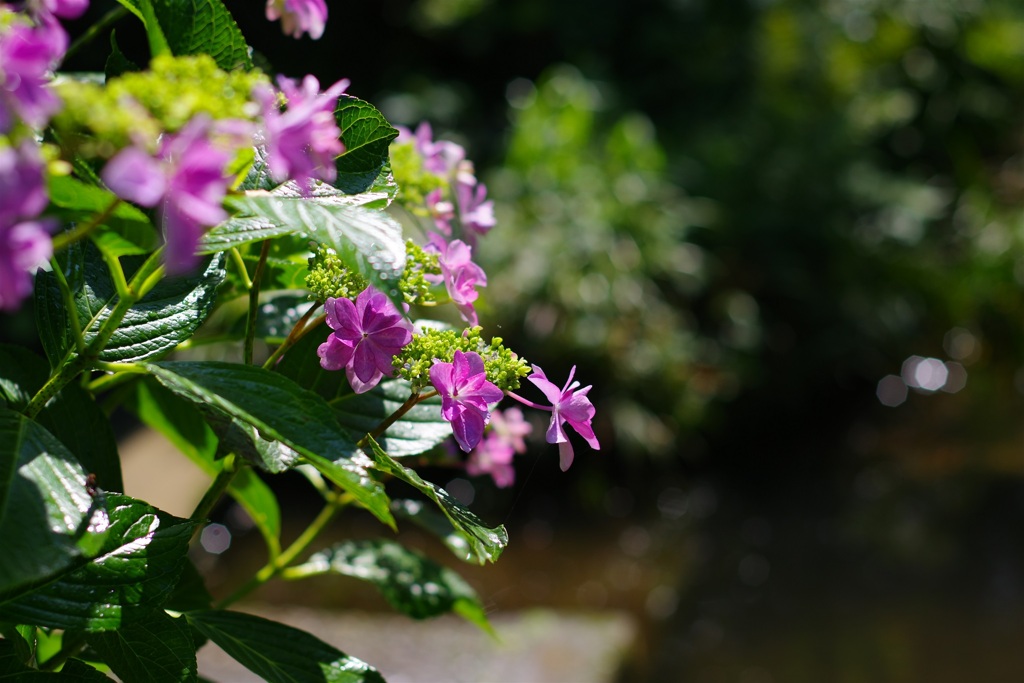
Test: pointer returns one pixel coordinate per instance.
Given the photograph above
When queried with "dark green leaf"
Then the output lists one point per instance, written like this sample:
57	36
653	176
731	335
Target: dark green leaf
367	241
276	316
243	439
49	522
155	649
278	653
367	135
168	315
190	593
282	411
431	520
117	63
414	584
74	670
192	27
124	229
135	572
183	424
484	543
72	416
419	430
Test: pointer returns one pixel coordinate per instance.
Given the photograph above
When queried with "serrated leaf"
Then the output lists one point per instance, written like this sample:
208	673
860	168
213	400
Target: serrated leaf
136	570
168	315
484	543
74	670
367	241
367	135
192	27
282	411
124	229
433	521
155	649
183	425
49	523
420	428
411	582
278	653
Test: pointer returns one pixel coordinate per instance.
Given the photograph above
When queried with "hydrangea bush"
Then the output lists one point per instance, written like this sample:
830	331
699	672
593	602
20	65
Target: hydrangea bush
246	224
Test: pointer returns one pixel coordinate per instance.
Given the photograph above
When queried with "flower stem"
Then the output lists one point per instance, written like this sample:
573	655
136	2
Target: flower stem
396	416
94	31
213	494
335	504
298	331
65	239
254	301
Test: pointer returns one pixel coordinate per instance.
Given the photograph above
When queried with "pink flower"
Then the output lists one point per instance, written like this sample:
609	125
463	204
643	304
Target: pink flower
442	211
475	214
65	9
494	454
186	179
569	404
299	16
366	335
440	158
27	53
465	396
24	244
460	275
303	140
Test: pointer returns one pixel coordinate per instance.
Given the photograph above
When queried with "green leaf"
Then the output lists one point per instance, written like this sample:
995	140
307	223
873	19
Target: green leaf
117	63
431	520
419	430
168	315
74	670
180	421
484	543
367	135
278	653
367	241
136	570
49	522
412	583
125	229
192	27
156	649
70	416
190	593
282	411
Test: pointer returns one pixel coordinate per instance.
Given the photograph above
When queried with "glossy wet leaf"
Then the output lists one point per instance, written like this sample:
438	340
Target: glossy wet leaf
367	241
367	135
49	522
432	520
419	429
278	653
282	411
155	649
134	572
411	582
168	315
483	543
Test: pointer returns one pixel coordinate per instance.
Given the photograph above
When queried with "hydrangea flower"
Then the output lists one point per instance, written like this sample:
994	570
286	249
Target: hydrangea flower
299	16
476	212
303	140
568	404
65	9
186	179
465	396
494	454
365	336
440	158
27	53
24	243
459	274
441	210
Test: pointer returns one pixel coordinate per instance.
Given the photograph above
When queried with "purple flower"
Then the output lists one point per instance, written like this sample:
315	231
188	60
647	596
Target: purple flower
186	179
475	214
65	9
465	395
440	158
299	16
302	141
24	244
26	55
569	404
460	275
494	454
366	335
442	211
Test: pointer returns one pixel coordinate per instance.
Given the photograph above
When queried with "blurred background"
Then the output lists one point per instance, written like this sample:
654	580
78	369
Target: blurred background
783	240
